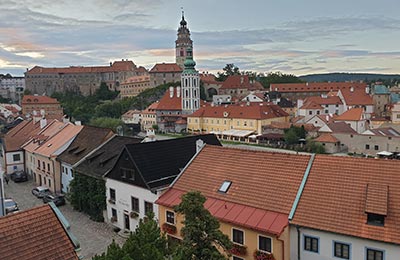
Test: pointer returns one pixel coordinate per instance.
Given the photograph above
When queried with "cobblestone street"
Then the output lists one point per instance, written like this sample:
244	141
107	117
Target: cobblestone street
94	237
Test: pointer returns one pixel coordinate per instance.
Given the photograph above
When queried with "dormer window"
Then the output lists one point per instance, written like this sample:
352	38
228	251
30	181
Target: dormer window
376	204
225	186
375	219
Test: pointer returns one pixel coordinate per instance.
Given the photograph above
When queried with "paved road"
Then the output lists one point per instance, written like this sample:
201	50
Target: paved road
94	237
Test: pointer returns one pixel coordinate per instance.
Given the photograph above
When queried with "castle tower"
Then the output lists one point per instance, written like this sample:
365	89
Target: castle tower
182	43
190	85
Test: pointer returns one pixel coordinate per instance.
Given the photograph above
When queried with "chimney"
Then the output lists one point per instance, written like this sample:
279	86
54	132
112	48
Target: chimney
199	145
43	123
351	89
241	80
171	92
78	123
178	92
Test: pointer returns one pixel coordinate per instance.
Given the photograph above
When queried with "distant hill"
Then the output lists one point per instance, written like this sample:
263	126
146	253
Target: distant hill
336	77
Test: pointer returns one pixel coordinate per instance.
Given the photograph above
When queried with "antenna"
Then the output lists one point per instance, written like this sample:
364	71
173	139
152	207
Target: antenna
183	13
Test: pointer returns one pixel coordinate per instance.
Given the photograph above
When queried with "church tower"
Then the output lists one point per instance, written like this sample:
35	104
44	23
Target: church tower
182	43
190	85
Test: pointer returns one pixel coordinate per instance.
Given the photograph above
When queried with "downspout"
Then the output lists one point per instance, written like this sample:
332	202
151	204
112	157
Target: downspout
298	242
283	247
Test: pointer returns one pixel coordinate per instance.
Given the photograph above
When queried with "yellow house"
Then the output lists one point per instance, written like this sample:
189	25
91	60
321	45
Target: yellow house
251	193
221	119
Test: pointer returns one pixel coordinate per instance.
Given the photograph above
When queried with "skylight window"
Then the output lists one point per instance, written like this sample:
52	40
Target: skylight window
225	186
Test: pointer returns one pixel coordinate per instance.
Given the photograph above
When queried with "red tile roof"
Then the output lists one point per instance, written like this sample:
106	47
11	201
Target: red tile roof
166	67
354	114
272	181
327	138
315	86
136	79
241	81
336	197
33	234
328	100
238	214
20	134
311	105
115	67
31	99
209	79
356	97
170	103
254	110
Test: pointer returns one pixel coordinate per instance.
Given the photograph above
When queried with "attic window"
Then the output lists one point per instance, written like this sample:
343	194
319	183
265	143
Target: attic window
225	186
376	204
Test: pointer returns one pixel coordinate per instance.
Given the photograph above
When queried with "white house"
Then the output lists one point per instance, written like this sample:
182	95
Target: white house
142	171
347	208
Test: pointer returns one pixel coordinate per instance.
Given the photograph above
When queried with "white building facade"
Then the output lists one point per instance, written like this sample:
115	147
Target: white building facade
320	245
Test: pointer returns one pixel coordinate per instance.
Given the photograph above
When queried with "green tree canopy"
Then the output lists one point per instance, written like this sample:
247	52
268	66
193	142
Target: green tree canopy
201	235
229	70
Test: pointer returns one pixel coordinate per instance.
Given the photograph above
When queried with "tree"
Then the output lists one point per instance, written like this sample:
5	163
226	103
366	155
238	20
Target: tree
114	252
201	235
147	242
294	133
103	93
229	70
106	122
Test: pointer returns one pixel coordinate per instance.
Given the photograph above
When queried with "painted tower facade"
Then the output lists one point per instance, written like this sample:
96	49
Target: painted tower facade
182	43
190	85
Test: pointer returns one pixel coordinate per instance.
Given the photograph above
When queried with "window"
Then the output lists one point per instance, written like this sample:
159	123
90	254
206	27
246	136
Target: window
38	164
16	157
310	112
148	207
375	219
237	236
341	250
376	147
311	244
48	167
114	214
265	244
44	166
127	173
170	217
367	146
373	254
135	204
225	186
112	194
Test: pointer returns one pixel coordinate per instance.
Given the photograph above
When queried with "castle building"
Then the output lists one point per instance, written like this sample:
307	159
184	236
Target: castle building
182	43
190	83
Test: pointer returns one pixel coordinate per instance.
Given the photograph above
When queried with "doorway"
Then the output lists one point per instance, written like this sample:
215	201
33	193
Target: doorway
126	221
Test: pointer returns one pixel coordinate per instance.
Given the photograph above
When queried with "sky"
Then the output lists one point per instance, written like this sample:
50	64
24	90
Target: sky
291	36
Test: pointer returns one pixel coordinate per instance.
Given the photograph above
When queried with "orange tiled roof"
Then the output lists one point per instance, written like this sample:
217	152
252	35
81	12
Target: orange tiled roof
166	67
33	234
31	99
209	79
356	97
267	175
327	138
20	134
328	100
241	81
311	105
55	142
115	67
354	114
136	79
316	86
335	197
170	103
254	110
273	183
51	129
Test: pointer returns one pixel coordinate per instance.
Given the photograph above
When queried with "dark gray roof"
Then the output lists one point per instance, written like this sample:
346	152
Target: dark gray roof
160	162
103	159
88	139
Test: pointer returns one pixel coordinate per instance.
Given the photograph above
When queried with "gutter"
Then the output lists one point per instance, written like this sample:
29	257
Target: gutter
64	222
301	188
